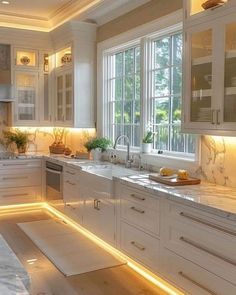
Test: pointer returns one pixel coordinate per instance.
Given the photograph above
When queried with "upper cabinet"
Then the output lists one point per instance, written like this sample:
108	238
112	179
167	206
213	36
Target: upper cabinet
5	73
209	70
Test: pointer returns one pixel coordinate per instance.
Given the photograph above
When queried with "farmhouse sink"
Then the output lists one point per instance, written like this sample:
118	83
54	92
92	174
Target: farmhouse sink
108	171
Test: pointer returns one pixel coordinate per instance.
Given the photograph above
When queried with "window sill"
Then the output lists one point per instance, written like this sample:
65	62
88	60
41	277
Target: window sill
160	160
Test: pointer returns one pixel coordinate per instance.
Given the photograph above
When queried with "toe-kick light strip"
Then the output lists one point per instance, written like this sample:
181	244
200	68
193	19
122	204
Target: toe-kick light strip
159	282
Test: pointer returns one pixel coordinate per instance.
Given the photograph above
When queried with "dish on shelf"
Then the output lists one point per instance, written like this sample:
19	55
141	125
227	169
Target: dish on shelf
212	3
66	58
25	60
208	79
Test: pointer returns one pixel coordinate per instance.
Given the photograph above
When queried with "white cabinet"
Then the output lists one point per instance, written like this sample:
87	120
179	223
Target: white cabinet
99	206
20	181
32	84
138	225
26	93
64	97
202	238
209	71
72	194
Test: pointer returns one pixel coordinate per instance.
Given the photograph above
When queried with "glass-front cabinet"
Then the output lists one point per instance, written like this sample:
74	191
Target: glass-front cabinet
64	98
210	77
26	91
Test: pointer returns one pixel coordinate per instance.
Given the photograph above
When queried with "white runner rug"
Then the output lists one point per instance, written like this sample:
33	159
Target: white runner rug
71	252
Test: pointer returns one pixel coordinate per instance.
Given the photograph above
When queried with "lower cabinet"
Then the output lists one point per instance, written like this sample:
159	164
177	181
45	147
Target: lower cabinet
20	181
192	278
140	245
20	195
99	218
73	201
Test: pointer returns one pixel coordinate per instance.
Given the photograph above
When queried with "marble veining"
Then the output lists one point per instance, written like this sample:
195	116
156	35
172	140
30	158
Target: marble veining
13	277
209	197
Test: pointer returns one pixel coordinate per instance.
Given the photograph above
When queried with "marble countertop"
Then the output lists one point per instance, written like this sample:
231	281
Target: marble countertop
13	277
215	199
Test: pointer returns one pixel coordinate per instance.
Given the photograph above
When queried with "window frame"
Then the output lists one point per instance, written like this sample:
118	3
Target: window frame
144	36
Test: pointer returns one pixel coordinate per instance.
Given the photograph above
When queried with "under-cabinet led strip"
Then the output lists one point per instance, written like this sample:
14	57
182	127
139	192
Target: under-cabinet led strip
154	279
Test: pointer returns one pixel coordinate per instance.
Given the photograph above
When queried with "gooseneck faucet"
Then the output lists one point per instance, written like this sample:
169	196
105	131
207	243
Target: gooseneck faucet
128	160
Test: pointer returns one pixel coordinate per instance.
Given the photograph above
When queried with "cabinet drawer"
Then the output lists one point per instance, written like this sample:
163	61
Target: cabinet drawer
140	245
20	178
142	198
194	279
19	164
20	195
201	239
71	173
74	211
139	215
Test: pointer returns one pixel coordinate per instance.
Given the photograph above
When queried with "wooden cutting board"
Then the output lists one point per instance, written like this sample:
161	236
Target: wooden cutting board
173	180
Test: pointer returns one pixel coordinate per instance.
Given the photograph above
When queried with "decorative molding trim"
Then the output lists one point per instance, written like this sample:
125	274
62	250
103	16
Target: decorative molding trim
63	14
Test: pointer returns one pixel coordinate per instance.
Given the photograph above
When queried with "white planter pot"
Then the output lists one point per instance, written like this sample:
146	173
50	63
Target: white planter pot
146	148
96	154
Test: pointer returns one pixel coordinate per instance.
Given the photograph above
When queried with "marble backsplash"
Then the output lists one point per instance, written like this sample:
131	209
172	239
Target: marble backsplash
218	160
218	154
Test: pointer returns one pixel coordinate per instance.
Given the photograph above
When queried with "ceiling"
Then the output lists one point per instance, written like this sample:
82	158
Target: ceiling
45	15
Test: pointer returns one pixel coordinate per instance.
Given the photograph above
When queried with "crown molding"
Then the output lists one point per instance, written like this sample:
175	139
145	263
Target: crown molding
65	13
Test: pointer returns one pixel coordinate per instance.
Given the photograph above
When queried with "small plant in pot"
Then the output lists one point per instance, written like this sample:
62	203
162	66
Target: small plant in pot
97	146
19	138
147	142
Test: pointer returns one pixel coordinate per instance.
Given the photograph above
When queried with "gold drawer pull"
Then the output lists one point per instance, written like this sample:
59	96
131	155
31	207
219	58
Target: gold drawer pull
138	246
204	222
16	177
70	183
196	283
16	195
137	197
204	249
137	210
71	173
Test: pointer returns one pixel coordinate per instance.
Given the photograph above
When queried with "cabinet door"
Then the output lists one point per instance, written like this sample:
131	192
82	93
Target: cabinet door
46	95
26	91
226	113
60	98
200	78
68	97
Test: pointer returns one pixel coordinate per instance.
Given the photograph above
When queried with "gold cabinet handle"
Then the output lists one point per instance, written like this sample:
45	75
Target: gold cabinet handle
183	275
213	117
137	197
13	178
137	210
218	117
71	173
138	246
204	222
70	183
15	195
204	249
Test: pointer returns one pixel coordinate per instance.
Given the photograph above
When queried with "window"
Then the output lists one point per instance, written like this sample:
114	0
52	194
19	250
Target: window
124	94
166	95
142	84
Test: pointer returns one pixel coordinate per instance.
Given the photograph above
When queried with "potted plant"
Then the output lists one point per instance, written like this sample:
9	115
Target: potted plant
19	138
147	142
97	146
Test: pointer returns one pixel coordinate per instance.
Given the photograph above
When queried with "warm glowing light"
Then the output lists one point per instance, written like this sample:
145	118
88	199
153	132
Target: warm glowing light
154	279
159	282
5	2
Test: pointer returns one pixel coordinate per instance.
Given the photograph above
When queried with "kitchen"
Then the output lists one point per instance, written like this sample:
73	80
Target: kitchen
117	140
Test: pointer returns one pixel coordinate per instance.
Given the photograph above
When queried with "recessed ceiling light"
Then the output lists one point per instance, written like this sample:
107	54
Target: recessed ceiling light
5	2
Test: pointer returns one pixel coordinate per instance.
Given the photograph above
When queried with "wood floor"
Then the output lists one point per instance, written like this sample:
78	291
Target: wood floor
47	280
